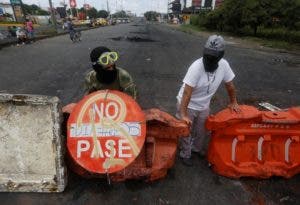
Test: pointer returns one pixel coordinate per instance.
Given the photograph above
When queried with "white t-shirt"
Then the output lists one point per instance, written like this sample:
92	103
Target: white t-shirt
205	84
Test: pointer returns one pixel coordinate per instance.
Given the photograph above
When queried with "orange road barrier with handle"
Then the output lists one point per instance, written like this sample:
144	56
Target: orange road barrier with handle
151	138
255	143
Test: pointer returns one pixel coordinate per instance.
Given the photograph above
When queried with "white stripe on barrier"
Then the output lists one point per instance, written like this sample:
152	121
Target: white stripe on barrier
233	146
287	149
259	148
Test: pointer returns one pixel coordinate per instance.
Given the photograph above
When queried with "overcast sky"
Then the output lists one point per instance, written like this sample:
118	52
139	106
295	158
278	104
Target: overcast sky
135	6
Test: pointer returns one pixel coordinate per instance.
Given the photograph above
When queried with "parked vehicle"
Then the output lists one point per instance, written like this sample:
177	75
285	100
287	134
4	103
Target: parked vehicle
100	22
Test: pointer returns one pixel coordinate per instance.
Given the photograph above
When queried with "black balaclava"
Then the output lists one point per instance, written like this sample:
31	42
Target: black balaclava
211	62
213	52
103	75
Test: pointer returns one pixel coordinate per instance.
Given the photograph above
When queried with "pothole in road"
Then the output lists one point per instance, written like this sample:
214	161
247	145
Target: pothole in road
116	38
288	62
133	39
138	32
280	60
139	39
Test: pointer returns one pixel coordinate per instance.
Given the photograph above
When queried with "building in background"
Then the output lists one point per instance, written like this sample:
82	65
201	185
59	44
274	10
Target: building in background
174	7
18	10
6	8
185	4
206	4
61	11
198	5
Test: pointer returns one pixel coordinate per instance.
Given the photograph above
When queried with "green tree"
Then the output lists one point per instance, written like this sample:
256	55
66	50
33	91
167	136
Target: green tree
233	14
236	14
151	15
34	10
291	14
120	14
92	12
253	14
102	14
212	20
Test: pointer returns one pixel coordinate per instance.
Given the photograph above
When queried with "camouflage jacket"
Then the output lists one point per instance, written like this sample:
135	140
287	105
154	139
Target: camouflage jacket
123	83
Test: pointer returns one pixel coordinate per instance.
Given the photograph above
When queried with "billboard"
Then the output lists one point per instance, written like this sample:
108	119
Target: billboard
196	3
86	6
73	4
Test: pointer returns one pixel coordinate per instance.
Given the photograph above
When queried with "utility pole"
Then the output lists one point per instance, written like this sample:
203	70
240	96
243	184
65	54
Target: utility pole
85	9
168	11
52	15
65	6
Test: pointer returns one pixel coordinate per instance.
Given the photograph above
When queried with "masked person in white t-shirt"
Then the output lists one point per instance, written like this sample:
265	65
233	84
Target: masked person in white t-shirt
199	85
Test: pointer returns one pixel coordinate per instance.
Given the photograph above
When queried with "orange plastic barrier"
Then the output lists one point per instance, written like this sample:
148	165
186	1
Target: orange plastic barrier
155	152
255	143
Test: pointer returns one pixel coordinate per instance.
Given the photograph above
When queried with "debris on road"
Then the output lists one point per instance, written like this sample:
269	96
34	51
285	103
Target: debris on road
269	106
133	39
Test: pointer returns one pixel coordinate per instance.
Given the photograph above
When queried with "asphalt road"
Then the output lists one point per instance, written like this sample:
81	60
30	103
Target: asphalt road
158	60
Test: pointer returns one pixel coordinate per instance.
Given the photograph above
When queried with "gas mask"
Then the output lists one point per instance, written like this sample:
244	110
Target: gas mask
103	61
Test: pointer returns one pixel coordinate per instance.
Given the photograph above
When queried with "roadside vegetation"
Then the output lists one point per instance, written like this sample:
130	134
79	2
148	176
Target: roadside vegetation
274	21
151	15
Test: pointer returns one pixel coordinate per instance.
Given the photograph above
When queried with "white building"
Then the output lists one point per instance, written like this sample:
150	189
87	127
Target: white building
188	3
7	8
209	3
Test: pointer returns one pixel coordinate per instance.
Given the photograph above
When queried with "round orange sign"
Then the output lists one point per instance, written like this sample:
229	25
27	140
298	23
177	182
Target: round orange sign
106	131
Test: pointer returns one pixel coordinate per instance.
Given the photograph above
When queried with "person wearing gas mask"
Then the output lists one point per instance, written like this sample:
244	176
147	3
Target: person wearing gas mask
106	75
199	85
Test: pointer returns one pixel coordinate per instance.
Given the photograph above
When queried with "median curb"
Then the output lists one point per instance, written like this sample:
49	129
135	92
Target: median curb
41	37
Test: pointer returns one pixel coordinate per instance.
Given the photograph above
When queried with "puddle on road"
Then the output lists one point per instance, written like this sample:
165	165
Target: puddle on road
133	39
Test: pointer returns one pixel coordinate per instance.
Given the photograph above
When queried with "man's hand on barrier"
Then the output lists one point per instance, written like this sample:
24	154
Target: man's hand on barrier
187	120
234	107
